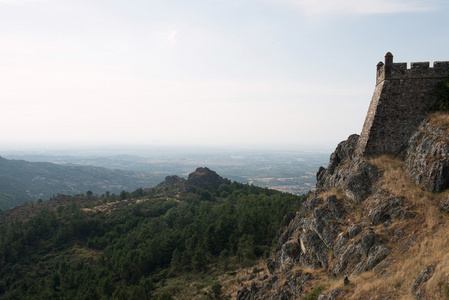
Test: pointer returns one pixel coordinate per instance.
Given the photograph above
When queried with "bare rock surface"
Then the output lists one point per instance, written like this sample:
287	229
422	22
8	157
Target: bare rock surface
169	180
444	205
427	157
419	286
348	171
203	178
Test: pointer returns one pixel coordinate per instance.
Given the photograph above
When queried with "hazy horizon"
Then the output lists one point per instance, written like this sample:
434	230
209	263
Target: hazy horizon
219	74
154	150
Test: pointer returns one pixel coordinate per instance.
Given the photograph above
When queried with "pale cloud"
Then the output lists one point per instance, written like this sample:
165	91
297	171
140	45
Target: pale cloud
360	7
172	36
165	38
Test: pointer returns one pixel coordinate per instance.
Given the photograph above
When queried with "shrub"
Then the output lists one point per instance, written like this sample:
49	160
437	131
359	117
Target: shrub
314	293
216	290
441	93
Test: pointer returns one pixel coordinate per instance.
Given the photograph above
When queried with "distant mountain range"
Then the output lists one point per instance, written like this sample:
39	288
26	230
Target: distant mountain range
288	171
23	181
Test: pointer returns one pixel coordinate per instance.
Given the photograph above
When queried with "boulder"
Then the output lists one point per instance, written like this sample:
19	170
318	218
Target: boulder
333	295
419	286
444	205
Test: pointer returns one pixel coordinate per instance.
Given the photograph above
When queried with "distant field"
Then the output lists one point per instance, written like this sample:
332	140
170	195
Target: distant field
288	171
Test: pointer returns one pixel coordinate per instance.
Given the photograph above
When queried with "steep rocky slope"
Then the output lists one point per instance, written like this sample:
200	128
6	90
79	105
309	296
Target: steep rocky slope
372	230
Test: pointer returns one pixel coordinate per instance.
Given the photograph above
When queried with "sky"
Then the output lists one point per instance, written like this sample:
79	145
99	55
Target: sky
216	73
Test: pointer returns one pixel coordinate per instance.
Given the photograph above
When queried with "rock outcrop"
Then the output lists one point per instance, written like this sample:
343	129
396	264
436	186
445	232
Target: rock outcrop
170	180
444	205
419	286
203	178
348	171
427	157
344	228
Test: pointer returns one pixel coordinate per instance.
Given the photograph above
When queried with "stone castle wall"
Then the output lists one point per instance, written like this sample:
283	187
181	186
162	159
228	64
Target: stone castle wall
401	100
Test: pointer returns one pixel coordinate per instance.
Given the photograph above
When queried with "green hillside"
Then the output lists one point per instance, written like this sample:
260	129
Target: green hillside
174	240
22	181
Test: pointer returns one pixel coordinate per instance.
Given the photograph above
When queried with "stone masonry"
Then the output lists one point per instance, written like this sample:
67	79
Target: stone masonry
402	98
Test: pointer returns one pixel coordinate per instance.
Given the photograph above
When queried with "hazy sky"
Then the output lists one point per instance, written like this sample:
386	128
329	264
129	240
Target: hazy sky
202	72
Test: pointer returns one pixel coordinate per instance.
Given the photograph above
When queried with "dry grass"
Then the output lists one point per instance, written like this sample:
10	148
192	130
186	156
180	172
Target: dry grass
396	182
196	286
431	247
233	283
440	120
398	281
337	192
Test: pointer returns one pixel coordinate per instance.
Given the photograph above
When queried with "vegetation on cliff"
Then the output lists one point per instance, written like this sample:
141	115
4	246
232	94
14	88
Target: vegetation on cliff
442	94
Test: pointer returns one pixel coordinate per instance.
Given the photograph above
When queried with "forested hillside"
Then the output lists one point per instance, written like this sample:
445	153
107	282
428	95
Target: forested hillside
22	181
174	240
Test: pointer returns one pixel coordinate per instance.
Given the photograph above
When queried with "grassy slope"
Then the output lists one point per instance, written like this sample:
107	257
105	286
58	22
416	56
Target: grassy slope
431	246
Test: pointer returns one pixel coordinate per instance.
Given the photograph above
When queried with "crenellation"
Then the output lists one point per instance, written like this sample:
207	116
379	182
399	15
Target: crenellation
380	75
400	66
388	65
441	65
419	66
418	70
401	99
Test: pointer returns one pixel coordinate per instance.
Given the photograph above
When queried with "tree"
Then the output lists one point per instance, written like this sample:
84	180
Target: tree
165	296
175	263
245	250
199	260
123	195
216	290
223	259
107	286
442	95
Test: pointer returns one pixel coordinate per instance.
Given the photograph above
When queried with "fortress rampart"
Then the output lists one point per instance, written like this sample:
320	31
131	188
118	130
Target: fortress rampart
402	98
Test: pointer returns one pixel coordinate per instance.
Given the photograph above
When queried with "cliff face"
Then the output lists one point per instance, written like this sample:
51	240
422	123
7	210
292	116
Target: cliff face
347	171
427	156
366	217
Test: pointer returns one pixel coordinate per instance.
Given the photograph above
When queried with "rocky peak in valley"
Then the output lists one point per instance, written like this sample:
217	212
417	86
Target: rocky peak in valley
203	178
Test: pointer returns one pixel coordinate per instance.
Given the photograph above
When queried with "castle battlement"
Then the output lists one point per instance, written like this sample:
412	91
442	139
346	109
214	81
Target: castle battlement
401	100
392	70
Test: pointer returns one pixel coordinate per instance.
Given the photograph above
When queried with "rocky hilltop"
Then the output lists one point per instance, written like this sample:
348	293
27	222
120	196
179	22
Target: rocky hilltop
374	229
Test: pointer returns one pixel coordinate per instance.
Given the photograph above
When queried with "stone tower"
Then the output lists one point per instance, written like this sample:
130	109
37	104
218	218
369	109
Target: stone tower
401	100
